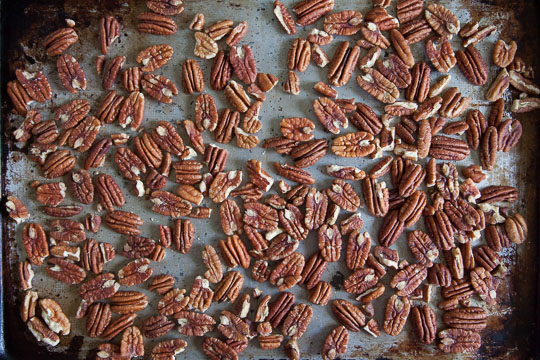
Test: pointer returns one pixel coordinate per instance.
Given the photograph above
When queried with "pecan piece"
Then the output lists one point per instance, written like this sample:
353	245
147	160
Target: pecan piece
488	148
124	222
35	243
335	343
107	113
459	341
360	281
293	173
378	86
343	63
71	73
446	148
442	21
221	71
309	11
397	311
169	204
132	111
154	57
156	24
443	59
135	272
516	228
297	320
216	349
472	65
109	193
330	115
348	315
229	287
159	87
243	63
345	23
205	46
42	332
284	17
503	53
36	85
358	144
94	255
424	323
237	97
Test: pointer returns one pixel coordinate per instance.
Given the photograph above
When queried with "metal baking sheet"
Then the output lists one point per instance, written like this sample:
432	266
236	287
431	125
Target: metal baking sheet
512	326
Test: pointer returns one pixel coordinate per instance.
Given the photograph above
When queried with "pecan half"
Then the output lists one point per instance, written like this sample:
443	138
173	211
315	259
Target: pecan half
343	63
216	349
229	287
132	111
503	53
424	323
297	320
293	173
348	315
472	65
330	115
459	341
397	311
378	86
358	144
309	11
71	73
284	17
156	24
205	46
443	21
159	87
36	85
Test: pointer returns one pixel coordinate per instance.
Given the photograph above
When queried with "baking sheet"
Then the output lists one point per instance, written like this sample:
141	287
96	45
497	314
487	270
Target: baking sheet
509	333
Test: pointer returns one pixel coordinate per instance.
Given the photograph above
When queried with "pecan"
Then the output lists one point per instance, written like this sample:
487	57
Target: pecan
459	341
245	140
348	315
356	144
477	127
335	343
192	77
365	119
391	228
111	71
169	204
233	327
319	56
509	133
237	34
443	59
381	17
415	30
131	78
124	222
25	274
330	242
378	86
154	57
138	247
156	326
308	153
424	323
97	319
280	247
503	53
408	10
216	349
211	260
343	195
375	196
470	318
260	271
297	320
293	173
148	150
316	205
219	29
35	243
397	311
131	344
205	46
446	148
28	305
320	294
54	317
187	172
288	272
94	255
299	55
206	116
498	193
108	111
313	272
193	323
330	115
408	279
129	164
309	11
159	87
441	84
284	17
71	73
173	302
439	275
484	284
440	229
402	48
237	97
343	63
488	148
51	194
243	63
156	24
292	220
223	184
422	247
472	66
443	21
496	237
234	252
221	71
516	228
19	97
66	230
42	332
135	272
132	111
168	349
126	302
36	85
292	83
360	281
59	41
419	87
373	35
101	287
229	287
109	193
345	23
84	134
57	164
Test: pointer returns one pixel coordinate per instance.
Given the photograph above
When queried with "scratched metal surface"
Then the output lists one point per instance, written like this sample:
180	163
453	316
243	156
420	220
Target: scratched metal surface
511	323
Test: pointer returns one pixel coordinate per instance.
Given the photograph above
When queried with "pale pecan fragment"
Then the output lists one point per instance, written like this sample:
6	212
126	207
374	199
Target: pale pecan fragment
71	73
42	332
349	315
459	341
258	176
343	63
381	17
54	317
205	46
59	41
309	11
424	323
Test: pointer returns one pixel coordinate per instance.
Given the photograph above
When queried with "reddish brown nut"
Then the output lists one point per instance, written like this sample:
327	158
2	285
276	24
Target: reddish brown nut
132	111
443	21
472	65
348	315
59	41
229	287
71	73
216	349
397	311
335	343
503	53
309	11
155	24
168	349
459	341
424	323
343	63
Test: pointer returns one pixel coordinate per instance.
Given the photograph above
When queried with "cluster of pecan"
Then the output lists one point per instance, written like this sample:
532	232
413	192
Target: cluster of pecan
455	212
